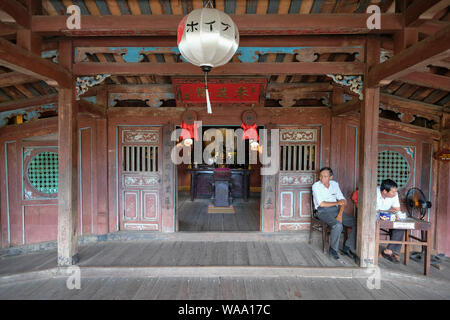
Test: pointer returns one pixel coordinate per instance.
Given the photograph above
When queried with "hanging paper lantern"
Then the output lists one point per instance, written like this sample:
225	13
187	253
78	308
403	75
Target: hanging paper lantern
207	38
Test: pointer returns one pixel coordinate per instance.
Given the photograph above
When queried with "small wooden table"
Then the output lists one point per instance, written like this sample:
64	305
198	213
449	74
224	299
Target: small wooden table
407	224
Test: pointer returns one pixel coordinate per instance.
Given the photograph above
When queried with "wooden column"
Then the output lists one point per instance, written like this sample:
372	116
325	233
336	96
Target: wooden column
169	221
368	156
269	193
443	190
102	167
67	166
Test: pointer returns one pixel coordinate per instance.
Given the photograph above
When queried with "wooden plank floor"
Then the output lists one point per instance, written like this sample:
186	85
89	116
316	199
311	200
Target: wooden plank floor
220	288
178	253
194	216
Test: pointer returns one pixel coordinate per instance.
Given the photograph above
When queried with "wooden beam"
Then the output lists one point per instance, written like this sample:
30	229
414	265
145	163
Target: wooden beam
24	103
430	27
335	40
368	156
16	10
67	166
426	79
29	41
7	29
436	47
91	108
424	10
406	128
411	104
178	69
347	107
253	24
32	128
21	60
14	78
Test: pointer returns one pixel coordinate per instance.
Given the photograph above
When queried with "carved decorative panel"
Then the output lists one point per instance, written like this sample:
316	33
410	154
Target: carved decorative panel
145	136
294	226
297	179
140	181
141	226
298	135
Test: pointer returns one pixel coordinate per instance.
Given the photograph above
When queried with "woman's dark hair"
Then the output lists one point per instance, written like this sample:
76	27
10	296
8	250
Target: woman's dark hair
387	185
328	169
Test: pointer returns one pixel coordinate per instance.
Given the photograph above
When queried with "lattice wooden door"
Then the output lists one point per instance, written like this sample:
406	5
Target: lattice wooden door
140	178
299	163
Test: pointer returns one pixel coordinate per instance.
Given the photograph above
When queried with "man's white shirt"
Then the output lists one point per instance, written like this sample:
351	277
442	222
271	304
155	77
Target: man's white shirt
322	193
385	204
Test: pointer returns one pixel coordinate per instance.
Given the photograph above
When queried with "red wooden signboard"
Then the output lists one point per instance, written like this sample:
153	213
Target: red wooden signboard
221	91
443	155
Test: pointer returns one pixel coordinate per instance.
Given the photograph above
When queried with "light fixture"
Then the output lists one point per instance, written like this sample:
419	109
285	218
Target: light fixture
207	38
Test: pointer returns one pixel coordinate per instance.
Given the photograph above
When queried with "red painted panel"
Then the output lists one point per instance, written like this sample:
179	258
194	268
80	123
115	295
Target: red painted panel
150	200
86	180
15	212
287	204
224	91
131	204
41	223
305	202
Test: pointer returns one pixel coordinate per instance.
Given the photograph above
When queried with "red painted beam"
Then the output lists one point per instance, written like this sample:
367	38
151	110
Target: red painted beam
422	7
14	78
17	11
18	104
426	79
252	24
178	69
21	60
244	41
436	47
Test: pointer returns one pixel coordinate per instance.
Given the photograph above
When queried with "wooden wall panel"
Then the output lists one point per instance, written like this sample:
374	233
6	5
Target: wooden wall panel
14	192
86	181
41	223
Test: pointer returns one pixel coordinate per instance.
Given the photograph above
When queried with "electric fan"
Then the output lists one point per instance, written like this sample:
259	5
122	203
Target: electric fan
417	207
416	204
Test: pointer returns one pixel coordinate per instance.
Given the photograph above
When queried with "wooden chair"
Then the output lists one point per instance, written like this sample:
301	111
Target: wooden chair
319	225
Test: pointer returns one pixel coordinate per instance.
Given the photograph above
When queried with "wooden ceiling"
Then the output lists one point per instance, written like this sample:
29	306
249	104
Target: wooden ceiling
426	86
238	7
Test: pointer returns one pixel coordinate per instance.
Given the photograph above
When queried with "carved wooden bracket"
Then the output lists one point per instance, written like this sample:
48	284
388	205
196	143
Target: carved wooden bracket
151	99
288	96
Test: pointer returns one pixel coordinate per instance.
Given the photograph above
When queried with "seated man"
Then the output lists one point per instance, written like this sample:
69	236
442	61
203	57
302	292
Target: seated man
327	199
387	200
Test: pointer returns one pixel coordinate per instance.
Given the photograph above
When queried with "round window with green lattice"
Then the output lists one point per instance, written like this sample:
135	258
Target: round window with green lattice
42	172
393	165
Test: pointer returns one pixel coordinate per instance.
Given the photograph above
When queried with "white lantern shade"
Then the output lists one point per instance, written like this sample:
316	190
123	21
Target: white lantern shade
207	37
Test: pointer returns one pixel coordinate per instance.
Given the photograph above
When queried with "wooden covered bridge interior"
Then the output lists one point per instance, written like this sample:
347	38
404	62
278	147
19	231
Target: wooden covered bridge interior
74	101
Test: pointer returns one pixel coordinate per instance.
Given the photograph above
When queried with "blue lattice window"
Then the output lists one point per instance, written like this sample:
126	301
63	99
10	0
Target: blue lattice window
42	172
393	165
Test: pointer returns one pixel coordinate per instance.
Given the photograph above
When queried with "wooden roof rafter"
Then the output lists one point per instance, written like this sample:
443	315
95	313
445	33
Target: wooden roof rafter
416	57
17	11
166	25
26	62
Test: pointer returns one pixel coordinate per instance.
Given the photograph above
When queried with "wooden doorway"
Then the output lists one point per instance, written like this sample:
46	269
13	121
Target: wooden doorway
192	207
139	172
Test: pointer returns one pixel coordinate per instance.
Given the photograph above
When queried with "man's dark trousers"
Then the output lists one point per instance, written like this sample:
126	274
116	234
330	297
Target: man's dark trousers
328	215
396	235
